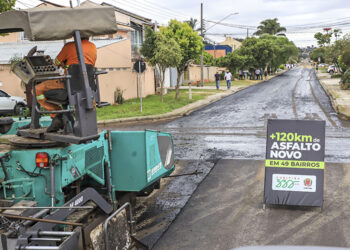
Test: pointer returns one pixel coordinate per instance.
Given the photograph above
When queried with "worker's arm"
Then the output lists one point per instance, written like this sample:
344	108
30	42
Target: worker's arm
62	56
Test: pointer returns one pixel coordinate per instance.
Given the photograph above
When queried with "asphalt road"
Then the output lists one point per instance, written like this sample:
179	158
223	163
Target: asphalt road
226	141
235	127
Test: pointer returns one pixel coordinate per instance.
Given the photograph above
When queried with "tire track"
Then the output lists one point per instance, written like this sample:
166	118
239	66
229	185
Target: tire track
294	107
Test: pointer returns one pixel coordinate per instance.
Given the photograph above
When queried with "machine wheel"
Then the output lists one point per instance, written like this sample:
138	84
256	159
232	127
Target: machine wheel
18	107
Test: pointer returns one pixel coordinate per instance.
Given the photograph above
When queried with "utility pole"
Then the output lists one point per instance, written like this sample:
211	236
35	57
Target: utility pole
202	35
247	32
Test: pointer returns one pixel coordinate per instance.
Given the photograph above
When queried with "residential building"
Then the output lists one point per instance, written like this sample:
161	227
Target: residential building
218	50
115	53
136	22
230	44
233	43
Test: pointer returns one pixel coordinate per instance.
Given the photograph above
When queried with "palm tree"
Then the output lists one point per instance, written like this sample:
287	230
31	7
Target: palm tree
270	26
192	22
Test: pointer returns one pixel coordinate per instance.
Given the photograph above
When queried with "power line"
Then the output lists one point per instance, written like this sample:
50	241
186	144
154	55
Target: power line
150	12
164	8
152	9
171	12
240	26
24	4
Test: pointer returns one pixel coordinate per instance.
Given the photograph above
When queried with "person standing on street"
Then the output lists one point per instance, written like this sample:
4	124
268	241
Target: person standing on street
228	77
240	74
257	73
217	80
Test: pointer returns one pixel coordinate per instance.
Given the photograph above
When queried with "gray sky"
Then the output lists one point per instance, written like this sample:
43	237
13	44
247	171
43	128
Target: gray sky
290	13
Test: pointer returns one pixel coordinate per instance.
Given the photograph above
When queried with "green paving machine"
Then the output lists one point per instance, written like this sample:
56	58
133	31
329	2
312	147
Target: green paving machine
72	189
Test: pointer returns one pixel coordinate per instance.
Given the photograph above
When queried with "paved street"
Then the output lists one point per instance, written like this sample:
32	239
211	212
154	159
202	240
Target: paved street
235	127
229	137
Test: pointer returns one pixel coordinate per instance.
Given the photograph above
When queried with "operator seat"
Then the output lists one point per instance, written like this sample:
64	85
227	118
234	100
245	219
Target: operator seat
60	96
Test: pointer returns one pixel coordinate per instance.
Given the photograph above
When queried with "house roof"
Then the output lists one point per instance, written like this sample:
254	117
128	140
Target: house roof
51	48
141	18
50	3
42	24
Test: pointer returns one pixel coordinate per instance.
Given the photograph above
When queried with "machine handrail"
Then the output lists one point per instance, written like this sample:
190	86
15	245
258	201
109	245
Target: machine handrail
41	79
100	72
105	224
55	111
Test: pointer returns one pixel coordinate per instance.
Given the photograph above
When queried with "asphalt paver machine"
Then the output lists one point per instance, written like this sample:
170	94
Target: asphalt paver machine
70	189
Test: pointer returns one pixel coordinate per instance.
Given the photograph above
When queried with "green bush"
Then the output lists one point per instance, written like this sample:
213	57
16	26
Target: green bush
282	67
222	75
336	76
345	80
118	96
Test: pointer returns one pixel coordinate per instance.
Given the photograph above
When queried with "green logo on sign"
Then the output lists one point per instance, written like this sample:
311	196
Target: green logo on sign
281	183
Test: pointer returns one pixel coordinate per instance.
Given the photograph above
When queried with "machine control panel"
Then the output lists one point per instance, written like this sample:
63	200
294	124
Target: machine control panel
34	67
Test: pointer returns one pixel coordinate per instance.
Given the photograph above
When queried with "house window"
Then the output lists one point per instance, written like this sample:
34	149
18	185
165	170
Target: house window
136	38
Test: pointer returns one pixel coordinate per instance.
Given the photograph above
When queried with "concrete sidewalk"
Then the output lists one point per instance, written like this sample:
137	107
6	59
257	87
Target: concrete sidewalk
340	99
185	110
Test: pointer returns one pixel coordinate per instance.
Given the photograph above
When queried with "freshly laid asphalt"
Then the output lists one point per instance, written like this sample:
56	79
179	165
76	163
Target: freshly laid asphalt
226	212
229	137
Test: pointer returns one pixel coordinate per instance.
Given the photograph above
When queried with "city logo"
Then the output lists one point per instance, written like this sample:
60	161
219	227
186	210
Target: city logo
307	182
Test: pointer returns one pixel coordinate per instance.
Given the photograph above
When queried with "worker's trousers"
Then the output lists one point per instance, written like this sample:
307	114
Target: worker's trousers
41	88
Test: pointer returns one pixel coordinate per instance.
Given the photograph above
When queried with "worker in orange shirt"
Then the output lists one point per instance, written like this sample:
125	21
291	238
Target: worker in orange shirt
65	58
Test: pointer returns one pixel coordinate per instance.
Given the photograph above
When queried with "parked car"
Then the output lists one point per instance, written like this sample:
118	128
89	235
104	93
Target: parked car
11	104
331	69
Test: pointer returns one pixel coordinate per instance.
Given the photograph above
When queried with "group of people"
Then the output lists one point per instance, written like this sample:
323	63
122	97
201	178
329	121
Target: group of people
257	74
227	77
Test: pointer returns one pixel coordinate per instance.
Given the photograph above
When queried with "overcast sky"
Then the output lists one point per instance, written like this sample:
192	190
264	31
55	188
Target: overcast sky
289	13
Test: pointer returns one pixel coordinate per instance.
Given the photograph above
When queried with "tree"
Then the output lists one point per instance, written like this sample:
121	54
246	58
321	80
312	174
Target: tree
162	53
337	33
318	53
335	50
192	22
258	52
208	59
267	50
269	26
6	5
283	50
190	43
323	39
233	61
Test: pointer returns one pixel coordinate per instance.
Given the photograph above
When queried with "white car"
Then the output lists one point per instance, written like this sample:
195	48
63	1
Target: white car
11	104
331	69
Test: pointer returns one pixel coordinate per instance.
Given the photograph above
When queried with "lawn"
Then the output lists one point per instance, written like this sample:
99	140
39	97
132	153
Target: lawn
322	69
235	83
152	104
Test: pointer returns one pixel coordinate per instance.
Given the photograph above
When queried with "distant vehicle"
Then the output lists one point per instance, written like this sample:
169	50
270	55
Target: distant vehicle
331	69
11	104
323	65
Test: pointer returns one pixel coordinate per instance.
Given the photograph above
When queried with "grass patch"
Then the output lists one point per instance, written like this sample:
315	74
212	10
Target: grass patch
336	76
152	104
322	70
235	83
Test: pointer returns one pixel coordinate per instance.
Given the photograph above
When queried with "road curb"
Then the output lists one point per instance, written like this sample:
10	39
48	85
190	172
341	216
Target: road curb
180	112
333	100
